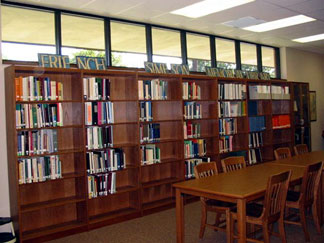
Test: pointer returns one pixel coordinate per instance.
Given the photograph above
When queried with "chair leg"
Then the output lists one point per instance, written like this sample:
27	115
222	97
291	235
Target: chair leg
228	226
281	226
266	236
304	224
231	227
217	219
203	221
316	217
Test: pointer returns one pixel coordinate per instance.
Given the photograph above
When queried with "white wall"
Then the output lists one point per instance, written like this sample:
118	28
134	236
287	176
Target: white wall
4	192
303	66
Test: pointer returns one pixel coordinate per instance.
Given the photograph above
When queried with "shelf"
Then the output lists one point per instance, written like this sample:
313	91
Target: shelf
129	167
260	99
232	117
233	134
49	204
162	141
226	100
117	145
111	124
208	154
202	137
49	102
159	121
259	115
112	215
280	128
279	114
160	182
203	100
262	146
67	151
235	150
112	100
167	100
43	128
32	234
202	119
64	177
158	203
164	161
282	142
119	190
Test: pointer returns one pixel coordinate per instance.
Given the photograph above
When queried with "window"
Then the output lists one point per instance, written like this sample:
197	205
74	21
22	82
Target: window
26	32
249	57
225	53
198	52
166	46
82	37
268	61
128	45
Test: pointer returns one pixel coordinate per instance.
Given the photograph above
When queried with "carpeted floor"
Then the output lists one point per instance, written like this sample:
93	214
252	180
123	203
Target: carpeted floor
161	228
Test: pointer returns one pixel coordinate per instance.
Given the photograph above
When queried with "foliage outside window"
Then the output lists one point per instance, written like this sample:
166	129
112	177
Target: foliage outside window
198	52
225	53
249	57
268	61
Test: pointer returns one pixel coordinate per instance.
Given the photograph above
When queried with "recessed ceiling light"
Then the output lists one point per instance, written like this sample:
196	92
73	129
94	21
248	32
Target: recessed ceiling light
206	7
310	38
280	23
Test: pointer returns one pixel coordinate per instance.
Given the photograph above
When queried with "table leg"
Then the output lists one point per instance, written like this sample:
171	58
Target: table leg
241	220
179	216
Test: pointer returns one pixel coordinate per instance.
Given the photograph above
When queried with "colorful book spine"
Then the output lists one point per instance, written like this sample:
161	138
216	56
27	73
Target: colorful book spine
194	148
149	132
254	156
192	110
231	91
99	113
99	137
191	91
257	123
227	126
231	109
146	111
255	139
152	89
150	154
96	88
281	121
226	144
190	165
191	130
101	184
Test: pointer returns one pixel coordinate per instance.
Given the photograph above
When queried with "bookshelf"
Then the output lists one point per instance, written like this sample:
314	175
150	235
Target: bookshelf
116	140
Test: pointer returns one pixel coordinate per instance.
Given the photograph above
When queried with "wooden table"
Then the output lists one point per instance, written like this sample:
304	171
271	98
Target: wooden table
238	187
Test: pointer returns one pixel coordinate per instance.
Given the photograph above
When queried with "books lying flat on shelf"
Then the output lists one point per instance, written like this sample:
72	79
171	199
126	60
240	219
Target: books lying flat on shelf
280	121
191	130
257	123
101	184
255	156
39	169
231	108
194	148
191	163
38	89
231	91
225	144
280	92
99	113
99	137
255	139
227	126
149	132
39	115
152	89
252	74
36	142
259	92
192	110
146	111
150	154
105	160
96	88
191	91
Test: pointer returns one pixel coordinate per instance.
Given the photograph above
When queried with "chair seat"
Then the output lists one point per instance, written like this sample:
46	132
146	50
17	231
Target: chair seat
5	220
218	203
293	196
252	210
7	237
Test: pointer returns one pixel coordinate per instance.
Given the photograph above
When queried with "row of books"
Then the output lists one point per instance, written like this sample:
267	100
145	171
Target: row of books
98	113
150	154
191	130
231	109
257	123
254	156
258	92
190	165
257	108
280	107
39	169
32	88
280	92
152	89
150	132
231	91
194	148
225	144
192	110
255	139
36	142
227	126
191	91
99	137
281	121
146	111
96	88
106	160
39	115
101	184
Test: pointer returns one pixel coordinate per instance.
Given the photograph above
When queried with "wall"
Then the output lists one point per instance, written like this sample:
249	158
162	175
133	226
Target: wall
4	193
303	66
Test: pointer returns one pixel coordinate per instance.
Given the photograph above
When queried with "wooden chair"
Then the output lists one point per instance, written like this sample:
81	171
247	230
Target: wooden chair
282	153
271	211
233	163
306	197
300	149
221	208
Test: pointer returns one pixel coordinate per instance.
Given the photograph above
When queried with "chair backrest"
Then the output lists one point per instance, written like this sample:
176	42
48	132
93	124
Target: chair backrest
300	149
276	194
205	169
310	183
233	163
282	153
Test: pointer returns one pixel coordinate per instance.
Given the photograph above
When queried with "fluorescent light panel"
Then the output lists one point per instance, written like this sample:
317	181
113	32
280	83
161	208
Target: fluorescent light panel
310	38
280	23
206	7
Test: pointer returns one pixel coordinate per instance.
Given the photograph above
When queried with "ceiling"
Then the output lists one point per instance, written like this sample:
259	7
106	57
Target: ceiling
158	12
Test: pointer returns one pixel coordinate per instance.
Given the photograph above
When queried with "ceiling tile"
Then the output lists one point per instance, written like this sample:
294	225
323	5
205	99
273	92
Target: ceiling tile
308	6
284	3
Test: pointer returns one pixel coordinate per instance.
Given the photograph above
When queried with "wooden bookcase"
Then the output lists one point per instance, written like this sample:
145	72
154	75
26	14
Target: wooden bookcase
62	206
